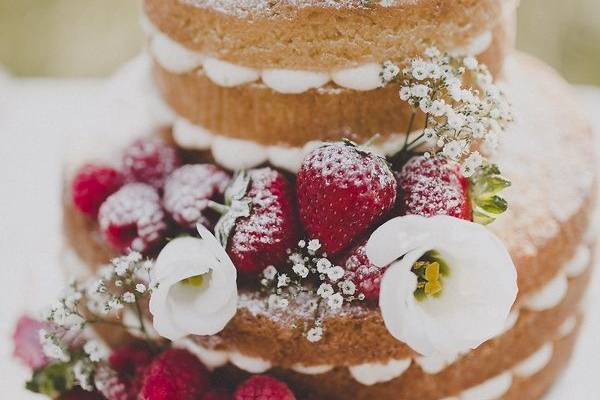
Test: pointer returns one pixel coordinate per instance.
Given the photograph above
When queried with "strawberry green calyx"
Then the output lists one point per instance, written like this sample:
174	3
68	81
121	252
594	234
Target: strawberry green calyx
52	380
237	205
484	187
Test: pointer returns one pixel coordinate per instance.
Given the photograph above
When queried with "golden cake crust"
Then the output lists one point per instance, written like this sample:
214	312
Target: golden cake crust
282	34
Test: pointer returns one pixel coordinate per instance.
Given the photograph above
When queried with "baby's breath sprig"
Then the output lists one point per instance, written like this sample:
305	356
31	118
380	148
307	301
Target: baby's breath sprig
310	272
73	358
460	103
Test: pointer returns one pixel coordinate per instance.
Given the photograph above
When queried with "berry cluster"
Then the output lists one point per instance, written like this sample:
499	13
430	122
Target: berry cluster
342	193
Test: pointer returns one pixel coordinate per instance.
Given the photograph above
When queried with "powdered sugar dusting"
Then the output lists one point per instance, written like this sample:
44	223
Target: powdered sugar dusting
547	155
269	8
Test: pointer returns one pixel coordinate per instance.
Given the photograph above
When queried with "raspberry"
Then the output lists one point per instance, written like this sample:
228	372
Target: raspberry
434	186
176	374
128	365
133	218
92	185
342	192
263	387
188	191
150	160
263	238
26	341
359	270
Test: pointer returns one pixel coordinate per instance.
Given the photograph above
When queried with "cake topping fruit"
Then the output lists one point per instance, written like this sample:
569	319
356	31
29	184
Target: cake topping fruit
263	387
188	191
150	160
175	374
92	185
342	192
132	218
259	224
433	186
128	364
365	275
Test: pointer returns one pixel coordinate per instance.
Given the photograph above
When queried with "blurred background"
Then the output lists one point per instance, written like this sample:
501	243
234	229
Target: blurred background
92	37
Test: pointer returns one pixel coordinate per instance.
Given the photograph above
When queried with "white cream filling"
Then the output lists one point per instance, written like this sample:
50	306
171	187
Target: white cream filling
436	363
312	370
567	327
535	362
177	59
579	263
371	373
235	154
550	295
254	365
491	389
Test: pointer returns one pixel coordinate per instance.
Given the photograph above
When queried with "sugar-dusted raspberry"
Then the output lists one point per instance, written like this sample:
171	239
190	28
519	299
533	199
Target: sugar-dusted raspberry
365	276
92	185
263	387
188	191
150	160
128	364
133	218
176	374
26	342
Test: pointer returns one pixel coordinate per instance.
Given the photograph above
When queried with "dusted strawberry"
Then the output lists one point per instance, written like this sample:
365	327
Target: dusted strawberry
127	365
260	222
365	276
133	218
342	192
150	160
92	185
189	190
176	374
263	387
433	186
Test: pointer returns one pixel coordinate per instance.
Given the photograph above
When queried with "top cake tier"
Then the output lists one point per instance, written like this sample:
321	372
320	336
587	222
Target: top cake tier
326	35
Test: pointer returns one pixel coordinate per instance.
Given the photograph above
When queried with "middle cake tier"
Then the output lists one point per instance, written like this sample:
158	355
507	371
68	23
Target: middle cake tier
219	80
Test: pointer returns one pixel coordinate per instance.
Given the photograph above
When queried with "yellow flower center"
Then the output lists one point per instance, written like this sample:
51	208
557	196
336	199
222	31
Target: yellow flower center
196	281
430	270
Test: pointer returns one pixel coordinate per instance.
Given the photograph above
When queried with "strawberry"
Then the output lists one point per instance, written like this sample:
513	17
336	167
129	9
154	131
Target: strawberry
343	191
433	186
189	190
260	224
365	276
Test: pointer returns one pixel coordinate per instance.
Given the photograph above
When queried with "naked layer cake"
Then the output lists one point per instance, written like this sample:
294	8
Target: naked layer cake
351	199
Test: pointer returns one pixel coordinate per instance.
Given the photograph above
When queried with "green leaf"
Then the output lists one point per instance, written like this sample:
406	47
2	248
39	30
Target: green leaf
52	380
482	218
490	186
492	205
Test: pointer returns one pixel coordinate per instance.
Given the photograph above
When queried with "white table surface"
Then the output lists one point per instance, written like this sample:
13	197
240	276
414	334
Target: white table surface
39	118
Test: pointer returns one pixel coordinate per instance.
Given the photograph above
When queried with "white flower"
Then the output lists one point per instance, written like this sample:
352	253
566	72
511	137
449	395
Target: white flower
348	287
454	149
94	351
140	288
323	265
270	272
476	295
313	246
419	90
314	334
325	290
405	93
129	297
470	62
470	165
206	301
300	270
335	301
335	273
283	280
